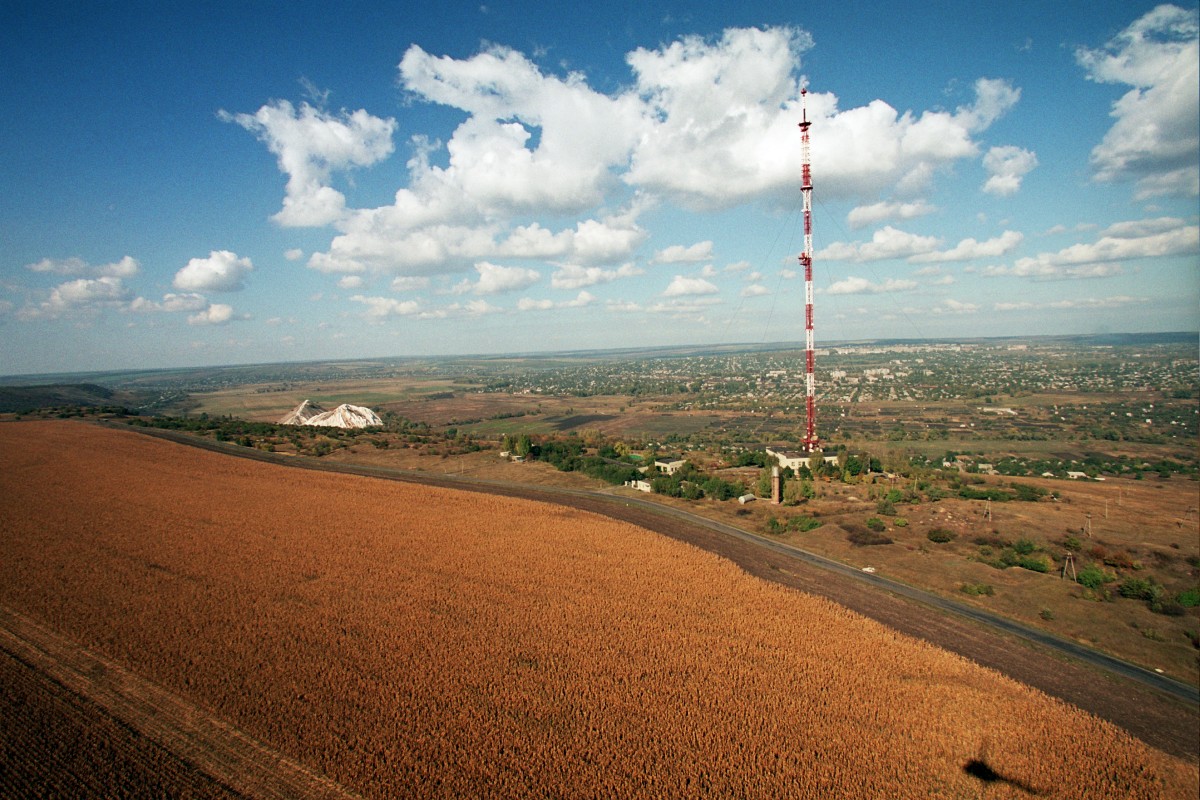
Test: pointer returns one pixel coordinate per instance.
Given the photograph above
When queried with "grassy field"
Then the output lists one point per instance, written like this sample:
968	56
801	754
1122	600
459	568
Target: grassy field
1143	526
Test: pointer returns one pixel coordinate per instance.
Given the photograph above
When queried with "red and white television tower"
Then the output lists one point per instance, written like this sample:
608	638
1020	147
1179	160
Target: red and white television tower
811	442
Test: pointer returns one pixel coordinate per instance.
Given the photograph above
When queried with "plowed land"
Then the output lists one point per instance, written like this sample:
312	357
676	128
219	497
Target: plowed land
421	642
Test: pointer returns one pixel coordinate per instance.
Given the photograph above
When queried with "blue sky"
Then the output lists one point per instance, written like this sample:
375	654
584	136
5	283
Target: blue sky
218	184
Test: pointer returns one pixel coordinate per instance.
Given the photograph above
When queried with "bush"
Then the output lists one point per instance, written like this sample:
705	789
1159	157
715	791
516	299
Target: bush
977	589
803	524
900	522
867	538
1027	493
1189	599
1168	607
996	495
1024	546
941	535
1121	560
886	507
875	524
1138	589
720	489
1046	614
1093	577
992	541
1035	563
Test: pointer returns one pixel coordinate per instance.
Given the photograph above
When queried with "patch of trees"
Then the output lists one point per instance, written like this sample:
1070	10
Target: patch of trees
802	523
567	455
1020	491
68	412
691	483
999	553
753	458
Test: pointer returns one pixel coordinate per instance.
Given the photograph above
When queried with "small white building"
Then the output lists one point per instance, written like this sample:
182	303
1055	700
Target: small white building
670	465
641	486
795	458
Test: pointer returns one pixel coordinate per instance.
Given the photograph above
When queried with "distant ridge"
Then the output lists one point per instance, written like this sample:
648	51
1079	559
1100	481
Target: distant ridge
20	399
344	416
200	379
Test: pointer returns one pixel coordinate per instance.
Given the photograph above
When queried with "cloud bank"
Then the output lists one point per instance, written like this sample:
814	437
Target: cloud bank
705	123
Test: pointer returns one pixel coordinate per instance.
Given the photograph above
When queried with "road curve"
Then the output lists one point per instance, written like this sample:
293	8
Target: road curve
1160	710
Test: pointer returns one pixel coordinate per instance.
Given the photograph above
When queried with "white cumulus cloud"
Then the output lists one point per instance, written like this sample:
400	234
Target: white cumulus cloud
171	303
1151	238
855	285
222	271
886	243
574	276
682	286
1006	167
495	279
969	249
529	304
862	216
705	122
380	307
1156	133
583	133
952	306
215	314
310	144
127	267
679	254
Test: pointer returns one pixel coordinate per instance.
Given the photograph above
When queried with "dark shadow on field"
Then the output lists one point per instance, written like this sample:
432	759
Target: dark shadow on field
978	768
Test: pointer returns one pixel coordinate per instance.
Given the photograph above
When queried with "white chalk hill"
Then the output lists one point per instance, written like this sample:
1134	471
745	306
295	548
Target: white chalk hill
344	416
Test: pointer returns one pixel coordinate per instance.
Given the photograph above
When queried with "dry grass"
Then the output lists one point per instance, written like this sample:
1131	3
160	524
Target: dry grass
428	643
1147	519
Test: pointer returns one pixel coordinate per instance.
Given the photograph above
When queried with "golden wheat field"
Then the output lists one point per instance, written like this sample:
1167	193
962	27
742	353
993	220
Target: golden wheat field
415	642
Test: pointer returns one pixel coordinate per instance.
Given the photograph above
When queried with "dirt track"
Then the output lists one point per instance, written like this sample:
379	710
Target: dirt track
153	743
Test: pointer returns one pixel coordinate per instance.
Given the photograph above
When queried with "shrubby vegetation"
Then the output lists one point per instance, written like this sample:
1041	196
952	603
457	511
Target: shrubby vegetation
802	524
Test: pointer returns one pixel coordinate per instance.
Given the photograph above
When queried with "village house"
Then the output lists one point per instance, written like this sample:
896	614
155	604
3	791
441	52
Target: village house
795	459
669	466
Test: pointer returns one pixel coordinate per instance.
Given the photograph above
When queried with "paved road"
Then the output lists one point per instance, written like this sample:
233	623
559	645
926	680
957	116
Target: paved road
1158	709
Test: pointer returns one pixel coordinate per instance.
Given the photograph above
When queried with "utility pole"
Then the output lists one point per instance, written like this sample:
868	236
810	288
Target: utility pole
1069	563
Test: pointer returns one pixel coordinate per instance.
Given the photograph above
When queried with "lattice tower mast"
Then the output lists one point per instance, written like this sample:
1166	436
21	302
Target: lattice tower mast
811	442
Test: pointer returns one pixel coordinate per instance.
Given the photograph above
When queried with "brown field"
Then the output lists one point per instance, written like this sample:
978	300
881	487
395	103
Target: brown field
1146	522
418	642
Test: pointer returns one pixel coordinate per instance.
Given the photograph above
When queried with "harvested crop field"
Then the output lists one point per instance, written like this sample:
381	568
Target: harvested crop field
419	642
